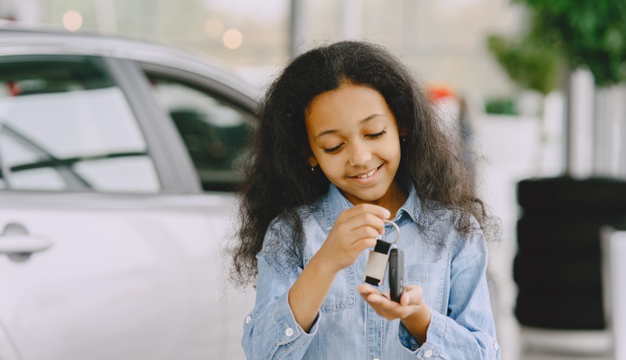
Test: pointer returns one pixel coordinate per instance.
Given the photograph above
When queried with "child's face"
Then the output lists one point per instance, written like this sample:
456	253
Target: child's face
354	139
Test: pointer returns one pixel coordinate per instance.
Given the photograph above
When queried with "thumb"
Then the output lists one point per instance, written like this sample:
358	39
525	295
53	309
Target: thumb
411	295
405	298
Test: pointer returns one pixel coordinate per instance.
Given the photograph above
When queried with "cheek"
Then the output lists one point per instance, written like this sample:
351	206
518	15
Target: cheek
391	152
331	167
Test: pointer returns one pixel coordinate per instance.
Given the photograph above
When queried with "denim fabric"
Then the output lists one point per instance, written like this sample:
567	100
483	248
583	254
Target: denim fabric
452	277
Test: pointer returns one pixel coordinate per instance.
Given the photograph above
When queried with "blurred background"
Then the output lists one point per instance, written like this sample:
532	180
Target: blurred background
537	88
445	43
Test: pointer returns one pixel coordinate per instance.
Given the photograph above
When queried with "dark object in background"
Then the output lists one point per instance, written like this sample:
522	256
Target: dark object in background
557	267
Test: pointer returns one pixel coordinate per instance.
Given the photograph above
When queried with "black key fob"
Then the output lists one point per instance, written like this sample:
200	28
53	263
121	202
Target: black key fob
396	273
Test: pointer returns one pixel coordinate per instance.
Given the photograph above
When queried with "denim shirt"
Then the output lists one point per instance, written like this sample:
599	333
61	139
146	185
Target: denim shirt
452	277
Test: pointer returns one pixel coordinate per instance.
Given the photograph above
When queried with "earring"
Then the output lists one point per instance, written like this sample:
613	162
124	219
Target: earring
312	169
403	140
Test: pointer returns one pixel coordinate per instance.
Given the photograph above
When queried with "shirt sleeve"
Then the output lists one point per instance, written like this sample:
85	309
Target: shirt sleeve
271	330
468	330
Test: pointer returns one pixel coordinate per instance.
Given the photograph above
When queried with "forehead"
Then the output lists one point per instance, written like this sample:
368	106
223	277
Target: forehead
346	105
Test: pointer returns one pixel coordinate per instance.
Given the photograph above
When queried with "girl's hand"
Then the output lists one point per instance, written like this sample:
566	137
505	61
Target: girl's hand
412	310
355	230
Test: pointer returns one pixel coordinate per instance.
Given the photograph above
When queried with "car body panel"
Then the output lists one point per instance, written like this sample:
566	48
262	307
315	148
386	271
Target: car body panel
128	275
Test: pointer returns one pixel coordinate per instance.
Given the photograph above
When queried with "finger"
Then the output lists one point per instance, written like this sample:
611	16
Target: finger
367	289
411	295
379	211
362	244
365	232
364	295
405	298
387	308
364	220
377	299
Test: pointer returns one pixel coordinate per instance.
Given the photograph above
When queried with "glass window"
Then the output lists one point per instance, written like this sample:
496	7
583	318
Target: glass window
214	130
64	125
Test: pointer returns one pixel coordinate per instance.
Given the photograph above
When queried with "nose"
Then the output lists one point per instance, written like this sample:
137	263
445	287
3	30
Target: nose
360	154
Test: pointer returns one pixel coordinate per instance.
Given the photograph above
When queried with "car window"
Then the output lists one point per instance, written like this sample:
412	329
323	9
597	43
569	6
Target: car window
65	125
214	130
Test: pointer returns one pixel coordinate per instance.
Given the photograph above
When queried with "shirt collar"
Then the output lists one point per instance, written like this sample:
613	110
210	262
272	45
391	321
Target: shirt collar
335	203
411	207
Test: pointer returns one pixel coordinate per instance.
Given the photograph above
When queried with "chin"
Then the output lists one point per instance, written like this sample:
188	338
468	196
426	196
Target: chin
370	196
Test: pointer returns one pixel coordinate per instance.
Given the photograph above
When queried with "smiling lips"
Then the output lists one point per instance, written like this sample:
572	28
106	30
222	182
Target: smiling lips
367	174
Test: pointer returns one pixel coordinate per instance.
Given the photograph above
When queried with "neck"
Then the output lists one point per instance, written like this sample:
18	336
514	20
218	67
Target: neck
393	199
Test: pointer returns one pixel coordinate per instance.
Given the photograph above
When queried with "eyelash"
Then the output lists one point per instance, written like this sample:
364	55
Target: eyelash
377	135
333	150
370	136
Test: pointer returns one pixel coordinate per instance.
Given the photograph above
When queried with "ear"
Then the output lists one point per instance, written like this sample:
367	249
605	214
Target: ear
313	161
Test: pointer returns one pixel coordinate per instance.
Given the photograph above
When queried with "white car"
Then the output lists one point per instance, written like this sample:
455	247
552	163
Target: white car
118	162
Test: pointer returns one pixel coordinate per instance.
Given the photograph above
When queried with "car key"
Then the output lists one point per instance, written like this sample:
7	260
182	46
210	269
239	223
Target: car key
377	263
396	273
379	257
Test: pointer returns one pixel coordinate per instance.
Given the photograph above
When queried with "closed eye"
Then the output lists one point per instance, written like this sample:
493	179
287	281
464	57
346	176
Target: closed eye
377	135
333	150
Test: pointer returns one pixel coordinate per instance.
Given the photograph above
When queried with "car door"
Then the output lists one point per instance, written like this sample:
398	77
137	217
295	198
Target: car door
214	121
108	247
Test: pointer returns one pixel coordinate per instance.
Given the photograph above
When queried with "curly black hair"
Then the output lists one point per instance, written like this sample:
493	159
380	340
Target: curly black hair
278	177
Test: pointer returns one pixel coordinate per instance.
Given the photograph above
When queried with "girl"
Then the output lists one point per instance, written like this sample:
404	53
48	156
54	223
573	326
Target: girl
346	140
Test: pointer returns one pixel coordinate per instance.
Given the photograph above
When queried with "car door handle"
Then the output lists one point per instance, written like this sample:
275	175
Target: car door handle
18	244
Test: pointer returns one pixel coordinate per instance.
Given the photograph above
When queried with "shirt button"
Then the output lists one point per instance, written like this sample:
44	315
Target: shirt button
289	332
495	346
248	319
428	353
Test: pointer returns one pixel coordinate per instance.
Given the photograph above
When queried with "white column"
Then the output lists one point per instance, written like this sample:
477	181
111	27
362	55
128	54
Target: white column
610	110
622	141
617	121
581	139
614	282
296	28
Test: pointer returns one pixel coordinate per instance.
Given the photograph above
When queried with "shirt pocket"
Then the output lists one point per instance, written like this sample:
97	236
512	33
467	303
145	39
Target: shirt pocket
341	295
430	277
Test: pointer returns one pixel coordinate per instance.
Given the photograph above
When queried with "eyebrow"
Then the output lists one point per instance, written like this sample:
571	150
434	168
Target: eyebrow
333	131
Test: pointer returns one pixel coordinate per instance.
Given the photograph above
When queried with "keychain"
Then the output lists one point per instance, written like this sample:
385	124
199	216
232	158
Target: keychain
377	264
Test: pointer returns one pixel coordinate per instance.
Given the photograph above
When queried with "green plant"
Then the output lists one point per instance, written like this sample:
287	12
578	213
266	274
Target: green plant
589	33
501	106
529	62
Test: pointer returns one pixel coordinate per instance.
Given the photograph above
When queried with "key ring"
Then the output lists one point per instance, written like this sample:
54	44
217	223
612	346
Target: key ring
380	237
397	231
